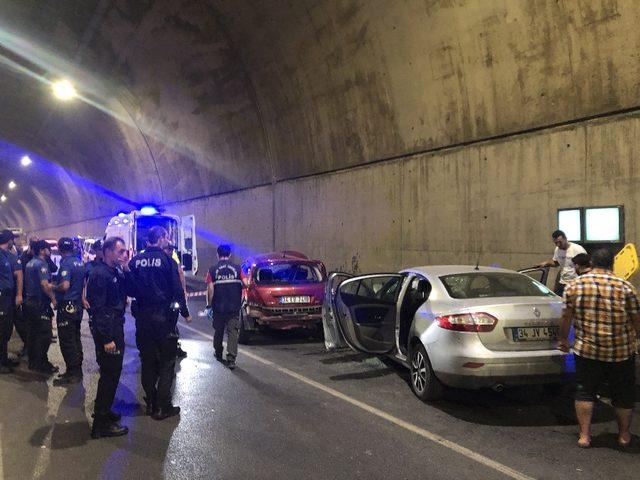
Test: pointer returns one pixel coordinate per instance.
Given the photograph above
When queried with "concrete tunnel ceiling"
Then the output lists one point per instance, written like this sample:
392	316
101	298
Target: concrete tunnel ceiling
188	99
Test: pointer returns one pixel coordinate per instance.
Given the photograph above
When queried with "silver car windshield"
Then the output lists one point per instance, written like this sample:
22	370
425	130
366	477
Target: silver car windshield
493	284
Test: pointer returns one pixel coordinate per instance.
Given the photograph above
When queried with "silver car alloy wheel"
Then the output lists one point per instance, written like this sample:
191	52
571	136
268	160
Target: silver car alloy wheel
419	371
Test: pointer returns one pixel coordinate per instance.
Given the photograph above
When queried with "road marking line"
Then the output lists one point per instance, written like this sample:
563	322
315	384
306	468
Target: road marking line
1	465
477	457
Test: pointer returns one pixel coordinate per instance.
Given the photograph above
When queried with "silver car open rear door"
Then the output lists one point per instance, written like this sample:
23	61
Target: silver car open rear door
539	274
333	339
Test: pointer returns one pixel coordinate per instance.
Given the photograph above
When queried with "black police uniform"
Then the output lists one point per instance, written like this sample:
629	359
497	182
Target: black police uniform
107	290
38	313
158	292
9	264
227	298
69	317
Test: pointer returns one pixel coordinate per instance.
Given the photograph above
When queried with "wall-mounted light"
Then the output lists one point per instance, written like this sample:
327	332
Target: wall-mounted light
25	161
12	185
63	90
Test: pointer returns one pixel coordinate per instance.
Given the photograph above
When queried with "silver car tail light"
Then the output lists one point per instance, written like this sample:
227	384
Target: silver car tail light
468	322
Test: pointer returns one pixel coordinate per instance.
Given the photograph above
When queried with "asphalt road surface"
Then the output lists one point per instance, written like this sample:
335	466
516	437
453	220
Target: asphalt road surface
292	410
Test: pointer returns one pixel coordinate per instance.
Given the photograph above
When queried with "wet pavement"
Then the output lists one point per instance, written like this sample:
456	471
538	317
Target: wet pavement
292	410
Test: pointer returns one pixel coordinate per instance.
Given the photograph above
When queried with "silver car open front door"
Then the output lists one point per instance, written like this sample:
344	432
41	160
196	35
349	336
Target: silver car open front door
188	245
365	310
332	337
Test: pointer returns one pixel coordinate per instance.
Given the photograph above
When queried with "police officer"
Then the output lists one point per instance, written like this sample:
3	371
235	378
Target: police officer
37	308
159	294
10	296
224	295
69	317
170	250
107	290
96	249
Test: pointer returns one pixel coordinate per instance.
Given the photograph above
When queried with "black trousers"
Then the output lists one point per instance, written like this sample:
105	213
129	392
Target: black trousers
157	341
110	369
22	327
38	315
69	320
6	323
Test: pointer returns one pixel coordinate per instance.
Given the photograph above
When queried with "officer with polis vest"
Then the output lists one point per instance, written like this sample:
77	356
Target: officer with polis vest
69	317
159	294
224	296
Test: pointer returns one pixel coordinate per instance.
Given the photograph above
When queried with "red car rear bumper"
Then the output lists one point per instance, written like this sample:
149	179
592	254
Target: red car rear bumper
284	318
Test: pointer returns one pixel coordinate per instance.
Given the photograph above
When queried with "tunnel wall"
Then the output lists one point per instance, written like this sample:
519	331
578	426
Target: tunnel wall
496	200
373	134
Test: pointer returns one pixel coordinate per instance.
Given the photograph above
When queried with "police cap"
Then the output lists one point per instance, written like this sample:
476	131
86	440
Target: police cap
65	244
6	236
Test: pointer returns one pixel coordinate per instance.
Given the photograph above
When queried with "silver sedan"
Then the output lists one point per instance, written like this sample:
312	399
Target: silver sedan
458	326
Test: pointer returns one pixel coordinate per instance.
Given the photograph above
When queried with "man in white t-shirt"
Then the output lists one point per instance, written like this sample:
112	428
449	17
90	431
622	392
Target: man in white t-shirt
562	257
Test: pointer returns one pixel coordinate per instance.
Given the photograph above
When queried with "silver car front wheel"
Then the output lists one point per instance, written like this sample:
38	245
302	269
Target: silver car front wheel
424	383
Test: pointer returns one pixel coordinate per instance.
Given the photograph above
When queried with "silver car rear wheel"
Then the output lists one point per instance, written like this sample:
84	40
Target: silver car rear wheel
424	383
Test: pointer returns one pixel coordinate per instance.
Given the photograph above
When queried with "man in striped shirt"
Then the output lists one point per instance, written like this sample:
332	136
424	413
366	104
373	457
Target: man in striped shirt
604	310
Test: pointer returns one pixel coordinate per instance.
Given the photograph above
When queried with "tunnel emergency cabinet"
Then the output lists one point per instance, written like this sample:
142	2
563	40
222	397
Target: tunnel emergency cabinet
133	227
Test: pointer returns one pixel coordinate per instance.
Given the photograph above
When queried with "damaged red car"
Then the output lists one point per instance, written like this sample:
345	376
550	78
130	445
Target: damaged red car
282	290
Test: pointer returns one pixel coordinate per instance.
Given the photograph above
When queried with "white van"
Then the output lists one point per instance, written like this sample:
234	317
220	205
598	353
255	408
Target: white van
133	227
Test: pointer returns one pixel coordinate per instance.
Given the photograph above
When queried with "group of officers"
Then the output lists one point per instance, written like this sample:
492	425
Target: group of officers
29	296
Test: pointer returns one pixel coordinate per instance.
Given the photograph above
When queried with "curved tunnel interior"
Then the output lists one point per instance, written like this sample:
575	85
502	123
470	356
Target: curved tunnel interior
373	135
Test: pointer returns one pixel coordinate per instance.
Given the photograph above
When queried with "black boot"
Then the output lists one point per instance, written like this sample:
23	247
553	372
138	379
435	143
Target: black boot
166	412
68	378
151	406
104	427
111	415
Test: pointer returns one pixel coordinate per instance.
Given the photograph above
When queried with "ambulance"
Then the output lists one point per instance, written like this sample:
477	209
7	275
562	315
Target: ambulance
134	227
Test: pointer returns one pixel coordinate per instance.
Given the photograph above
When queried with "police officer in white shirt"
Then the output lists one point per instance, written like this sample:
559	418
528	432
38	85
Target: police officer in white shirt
563	258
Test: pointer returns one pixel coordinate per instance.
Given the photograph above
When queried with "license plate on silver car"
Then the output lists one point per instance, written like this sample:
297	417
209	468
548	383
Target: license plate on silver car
295	299
532	334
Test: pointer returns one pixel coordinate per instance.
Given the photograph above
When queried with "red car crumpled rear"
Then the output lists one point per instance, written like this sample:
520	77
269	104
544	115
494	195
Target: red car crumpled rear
282	290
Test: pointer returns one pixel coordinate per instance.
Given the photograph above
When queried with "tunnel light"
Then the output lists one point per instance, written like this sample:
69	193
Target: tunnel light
63	90
3	198
12	185
25	161
148	210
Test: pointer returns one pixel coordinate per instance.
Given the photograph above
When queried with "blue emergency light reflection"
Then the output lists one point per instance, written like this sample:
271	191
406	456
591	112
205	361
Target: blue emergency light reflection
148	210
49	171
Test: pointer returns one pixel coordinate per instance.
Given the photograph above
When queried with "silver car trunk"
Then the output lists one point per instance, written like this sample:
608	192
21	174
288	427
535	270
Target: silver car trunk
523	322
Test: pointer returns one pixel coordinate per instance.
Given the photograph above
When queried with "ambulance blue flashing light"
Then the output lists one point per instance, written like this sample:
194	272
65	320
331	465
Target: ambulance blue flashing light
148	210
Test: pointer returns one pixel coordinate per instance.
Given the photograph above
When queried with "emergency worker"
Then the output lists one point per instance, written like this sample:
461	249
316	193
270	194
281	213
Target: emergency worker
96	249
10	296
107	289
170	250
69	318
20	320
37	308
159	294
224	295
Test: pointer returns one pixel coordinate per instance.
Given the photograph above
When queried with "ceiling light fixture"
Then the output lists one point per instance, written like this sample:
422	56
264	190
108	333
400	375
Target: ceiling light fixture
12	185
64	90
25	161
3	198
